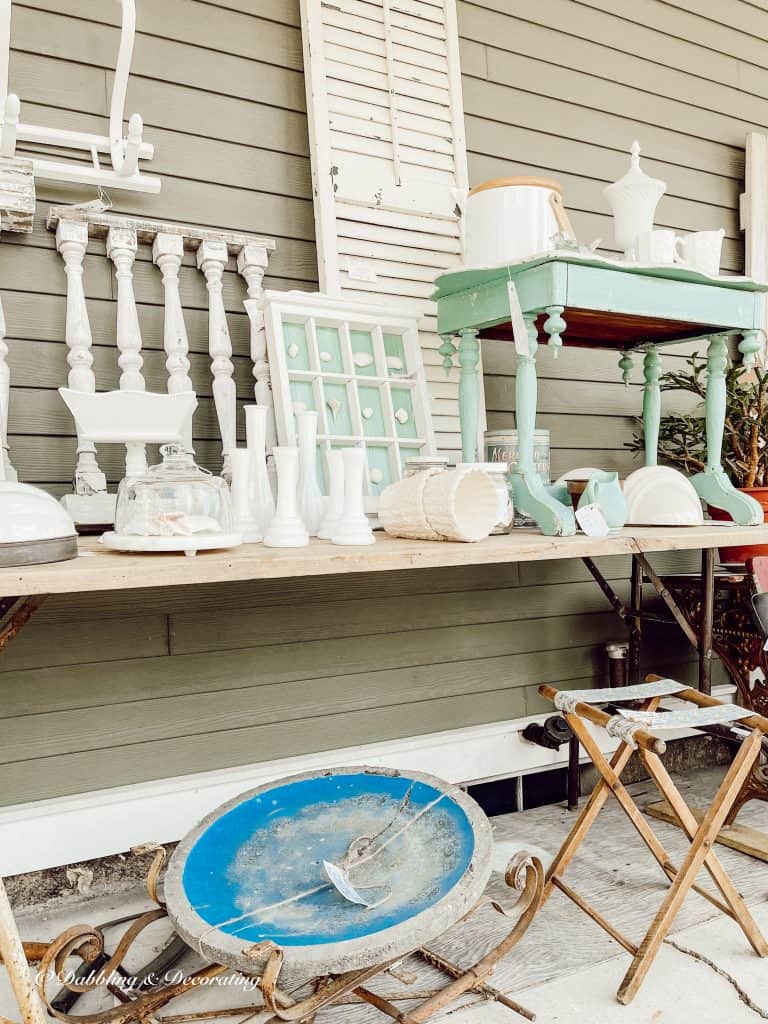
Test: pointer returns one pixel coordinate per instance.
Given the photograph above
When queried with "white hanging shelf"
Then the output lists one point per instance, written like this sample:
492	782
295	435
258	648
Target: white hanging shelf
124	152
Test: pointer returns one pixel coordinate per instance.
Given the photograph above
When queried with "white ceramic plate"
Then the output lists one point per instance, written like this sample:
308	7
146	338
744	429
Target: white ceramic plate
189	545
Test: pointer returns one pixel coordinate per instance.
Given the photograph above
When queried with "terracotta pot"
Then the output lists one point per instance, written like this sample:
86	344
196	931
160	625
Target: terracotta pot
741	553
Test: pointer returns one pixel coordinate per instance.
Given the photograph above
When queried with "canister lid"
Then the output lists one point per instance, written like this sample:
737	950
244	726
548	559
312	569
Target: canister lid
555	186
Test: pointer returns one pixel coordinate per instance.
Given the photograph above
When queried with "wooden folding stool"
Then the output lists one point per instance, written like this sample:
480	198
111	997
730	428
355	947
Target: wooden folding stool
635	730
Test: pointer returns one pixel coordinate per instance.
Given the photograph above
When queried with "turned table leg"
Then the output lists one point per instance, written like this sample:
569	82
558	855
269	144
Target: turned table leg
651	406
469	393
528	491
712	484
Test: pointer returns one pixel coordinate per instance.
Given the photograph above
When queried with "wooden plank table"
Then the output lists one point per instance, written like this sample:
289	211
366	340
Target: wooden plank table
97	569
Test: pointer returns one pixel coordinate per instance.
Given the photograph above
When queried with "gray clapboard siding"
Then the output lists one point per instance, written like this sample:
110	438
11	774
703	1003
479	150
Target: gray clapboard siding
105	690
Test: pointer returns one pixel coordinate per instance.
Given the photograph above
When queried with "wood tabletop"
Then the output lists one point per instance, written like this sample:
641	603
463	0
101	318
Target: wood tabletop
97	569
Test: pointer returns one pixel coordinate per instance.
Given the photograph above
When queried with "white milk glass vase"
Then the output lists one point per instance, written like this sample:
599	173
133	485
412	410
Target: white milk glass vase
311	502
353	528
287	529
335	504
245	521
261	497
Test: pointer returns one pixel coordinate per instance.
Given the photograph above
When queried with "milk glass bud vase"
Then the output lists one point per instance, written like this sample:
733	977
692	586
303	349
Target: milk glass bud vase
287	529
261	497
245	521
311	502
335	505
353	528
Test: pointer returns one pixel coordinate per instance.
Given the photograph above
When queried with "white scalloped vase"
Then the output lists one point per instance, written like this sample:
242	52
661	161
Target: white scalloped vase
401	508
461	504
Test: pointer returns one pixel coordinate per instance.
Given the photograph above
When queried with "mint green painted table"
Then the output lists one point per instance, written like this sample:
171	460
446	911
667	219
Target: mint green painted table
595	303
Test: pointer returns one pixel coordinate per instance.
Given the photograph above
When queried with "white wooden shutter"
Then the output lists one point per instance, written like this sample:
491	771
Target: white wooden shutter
389	163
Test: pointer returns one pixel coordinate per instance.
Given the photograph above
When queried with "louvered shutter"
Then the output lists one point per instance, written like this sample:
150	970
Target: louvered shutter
389	162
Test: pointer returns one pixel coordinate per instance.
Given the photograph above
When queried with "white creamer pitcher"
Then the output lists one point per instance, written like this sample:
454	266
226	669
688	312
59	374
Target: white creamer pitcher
510	219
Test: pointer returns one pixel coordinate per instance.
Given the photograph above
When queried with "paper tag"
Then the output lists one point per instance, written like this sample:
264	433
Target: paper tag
592	521
340	881
516	318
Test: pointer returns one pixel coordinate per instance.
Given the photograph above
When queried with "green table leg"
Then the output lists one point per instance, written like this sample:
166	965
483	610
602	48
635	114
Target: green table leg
469	394
528	491
651	406
713	485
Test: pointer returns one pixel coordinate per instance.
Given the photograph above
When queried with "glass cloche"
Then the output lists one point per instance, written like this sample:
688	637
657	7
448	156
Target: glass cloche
176	500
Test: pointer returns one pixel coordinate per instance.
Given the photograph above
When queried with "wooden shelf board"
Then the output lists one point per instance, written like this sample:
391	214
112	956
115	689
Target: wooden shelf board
99	570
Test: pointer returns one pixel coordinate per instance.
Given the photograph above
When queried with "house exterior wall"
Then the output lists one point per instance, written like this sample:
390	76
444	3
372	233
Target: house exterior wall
102	691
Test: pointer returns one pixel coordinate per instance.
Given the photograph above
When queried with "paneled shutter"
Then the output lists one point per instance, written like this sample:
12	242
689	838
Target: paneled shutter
389	163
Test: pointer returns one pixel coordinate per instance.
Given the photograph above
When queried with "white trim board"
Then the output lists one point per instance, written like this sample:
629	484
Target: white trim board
50	833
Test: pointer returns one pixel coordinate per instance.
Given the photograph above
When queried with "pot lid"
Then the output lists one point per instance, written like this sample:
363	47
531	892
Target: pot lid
635	181
555	186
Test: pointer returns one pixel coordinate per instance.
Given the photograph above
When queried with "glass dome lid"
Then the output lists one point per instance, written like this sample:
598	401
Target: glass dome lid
175	498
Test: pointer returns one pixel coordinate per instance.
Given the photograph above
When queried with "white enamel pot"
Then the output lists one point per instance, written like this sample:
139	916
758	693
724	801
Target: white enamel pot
511	219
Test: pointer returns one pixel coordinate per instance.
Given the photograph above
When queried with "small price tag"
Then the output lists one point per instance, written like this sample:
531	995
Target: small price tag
592	521
519	326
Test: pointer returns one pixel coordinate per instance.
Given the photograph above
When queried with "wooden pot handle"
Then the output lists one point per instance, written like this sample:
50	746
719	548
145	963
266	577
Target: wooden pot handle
561	216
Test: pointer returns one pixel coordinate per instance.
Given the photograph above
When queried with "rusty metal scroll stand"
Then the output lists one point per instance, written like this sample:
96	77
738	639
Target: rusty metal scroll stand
525	875
14	615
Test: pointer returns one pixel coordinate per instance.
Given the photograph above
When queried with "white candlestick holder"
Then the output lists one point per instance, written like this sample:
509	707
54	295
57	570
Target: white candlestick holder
353	528
287	529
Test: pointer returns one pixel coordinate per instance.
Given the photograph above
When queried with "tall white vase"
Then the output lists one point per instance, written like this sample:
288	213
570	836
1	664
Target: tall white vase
335	505
261	497
353	528
245	522
287	529
311	502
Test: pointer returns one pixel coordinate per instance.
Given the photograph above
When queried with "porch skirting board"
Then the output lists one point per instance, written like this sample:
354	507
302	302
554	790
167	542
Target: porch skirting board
51	833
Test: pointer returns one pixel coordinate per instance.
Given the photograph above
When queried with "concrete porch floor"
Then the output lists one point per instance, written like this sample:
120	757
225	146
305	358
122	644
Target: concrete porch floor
565	968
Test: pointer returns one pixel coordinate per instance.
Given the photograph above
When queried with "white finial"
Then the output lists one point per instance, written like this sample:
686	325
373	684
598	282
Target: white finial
635	151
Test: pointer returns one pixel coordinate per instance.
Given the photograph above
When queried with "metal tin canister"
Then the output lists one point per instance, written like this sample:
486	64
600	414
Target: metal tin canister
503	446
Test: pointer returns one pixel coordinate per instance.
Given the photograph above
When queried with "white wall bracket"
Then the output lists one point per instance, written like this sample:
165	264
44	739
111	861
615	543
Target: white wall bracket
124	151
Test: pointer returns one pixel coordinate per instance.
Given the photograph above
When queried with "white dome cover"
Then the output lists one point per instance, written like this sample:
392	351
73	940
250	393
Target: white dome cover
29	514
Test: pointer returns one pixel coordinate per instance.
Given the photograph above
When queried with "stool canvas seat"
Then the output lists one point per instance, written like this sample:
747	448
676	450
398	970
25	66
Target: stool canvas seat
638	730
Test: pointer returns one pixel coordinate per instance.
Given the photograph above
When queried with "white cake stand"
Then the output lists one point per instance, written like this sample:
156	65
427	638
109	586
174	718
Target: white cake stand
189	544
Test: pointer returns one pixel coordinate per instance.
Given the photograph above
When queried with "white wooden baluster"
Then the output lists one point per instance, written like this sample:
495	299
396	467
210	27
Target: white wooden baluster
72	243
212	259
252	262
8	472
121	249
167	252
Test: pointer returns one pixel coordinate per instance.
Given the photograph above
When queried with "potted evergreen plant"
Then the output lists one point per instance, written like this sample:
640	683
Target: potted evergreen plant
682	436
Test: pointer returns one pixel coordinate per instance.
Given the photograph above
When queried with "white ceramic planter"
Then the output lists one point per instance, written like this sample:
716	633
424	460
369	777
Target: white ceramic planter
401	508
511	219
461	504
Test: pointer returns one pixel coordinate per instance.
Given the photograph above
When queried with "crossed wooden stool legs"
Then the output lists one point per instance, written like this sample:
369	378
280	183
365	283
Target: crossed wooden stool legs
635	730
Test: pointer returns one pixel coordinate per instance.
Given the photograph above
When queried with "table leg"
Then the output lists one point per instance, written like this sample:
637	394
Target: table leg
713	485
469	393
635	622
12	952
651	406
528	491
707	619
